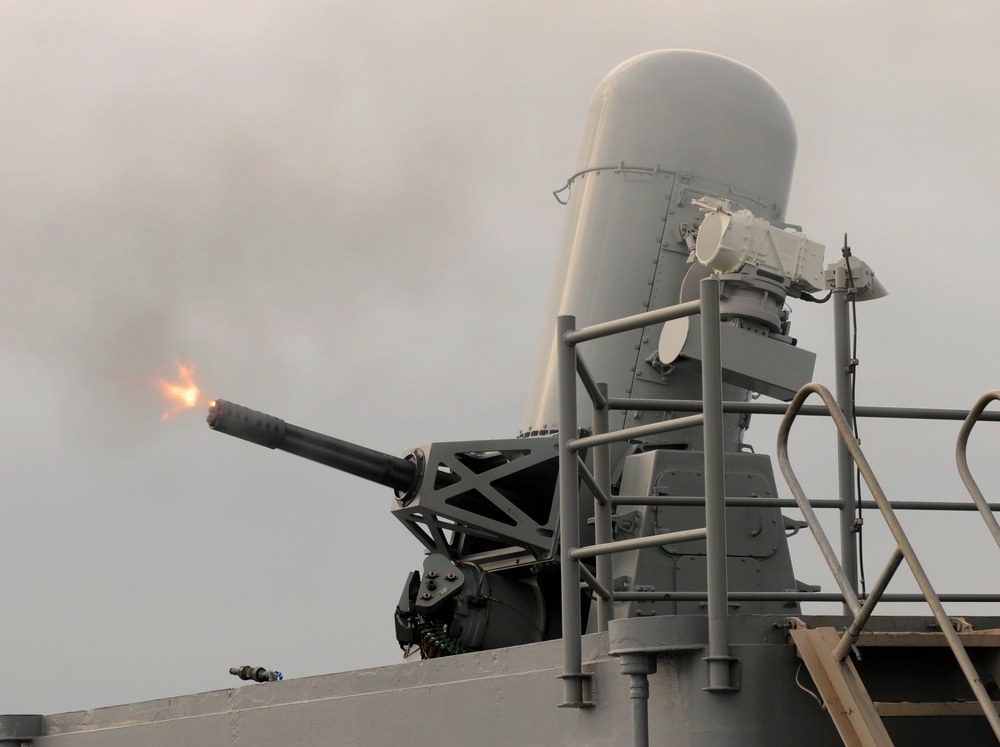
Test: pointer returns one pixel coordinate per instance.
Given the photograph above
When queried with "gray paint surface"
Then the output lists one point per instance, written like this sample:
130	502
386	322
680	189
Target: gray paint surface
683	124
510	696
498	697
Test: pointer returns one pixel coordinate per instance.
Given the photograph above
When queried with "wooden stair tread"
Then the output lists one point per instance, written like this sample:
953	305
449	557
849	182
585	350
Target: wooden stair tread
843	694
888	709
909	639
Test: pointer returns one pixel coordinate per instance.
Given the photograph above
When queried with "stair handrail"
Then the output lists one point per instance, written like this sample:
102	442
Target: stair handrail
904	550
961	459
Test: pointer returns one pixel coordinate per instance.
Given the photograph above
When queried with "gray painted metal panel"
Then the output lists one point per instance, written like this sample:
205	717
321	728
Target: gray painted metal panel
510	696
698	124
749	360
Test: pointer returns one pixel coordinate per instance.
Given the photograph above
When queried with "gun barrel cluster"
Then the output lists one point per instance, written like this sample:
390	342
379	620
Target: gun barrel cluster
274	433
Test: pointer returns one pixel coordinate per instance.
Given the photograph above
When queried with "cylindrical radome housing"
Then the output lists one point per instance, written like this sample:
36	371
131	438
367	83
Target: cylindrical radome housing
663	128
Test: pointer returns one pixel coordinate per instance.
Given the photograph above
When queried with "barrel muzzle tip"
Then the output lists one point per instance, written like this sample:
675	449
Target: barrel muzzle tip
214	412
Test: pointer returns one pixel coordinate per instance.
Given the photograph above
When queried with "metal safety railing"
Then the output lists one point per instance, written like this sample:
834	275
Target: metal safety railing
572	470
903	550
708	413
961	459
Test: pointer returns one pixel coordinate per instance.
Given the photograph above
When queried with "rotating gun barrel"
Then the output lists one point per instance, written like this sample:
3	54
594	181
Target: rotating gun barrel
257	427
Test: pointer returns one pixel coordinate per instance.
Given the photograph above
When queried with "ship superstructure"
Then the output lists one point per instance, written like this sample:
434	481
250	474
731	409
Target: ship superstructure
619	572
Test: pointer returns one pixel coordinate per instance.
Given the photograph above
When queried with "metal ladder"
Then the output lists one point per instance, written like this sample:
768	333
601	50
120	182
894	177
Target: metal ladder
825	651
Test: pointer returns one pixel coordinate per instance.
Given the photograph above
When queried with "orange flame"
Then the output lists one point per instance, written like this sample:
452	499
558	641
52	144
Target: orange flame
182	394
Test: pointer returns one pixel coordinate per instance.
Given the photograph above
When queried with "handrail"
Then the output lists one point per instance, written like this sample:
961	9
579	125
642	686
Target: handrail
779	408
697	500
790	596
638	431
636	321
571	366
638	543
708	414
903	548
961	459
826	549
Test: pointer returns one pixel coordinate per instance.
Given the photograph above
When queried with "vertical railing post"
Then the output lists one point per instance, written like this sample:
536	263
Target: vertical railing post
719	661
845	464
602	513
569	517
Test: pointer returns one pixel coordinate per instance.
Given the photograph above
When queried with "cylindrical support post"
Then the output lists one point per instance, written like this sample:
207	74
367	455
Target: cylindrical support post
602	513
715	488
569	517
637	666
847	477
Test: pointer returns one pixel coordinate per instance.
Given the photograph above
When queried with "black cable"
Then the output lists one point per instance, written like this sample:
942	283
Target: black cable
812	299
852	296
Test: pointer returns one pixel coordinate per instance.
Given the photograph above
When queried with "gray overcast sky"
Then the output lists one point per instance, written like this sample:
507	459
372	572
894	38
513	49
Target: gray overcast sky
341	214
